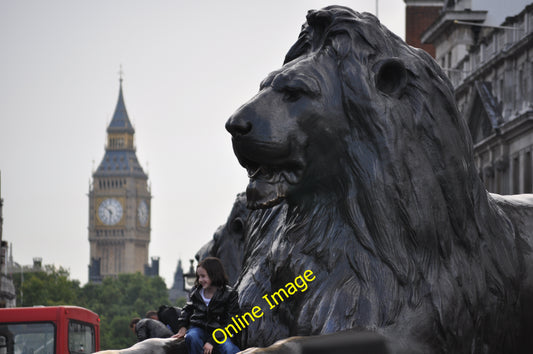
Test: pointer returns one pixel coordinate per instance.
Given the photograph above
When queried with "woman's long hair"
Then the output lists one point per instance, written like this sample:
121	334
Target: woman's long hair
214	268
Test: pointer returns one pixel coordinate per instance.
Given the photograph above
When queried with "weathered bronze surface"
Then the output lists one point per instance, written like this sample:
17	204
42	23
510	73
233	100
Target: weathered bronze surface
361	170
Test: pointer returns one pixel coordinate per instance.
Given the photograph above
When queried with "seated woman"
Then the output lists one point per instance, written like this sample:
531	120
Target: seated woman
212	304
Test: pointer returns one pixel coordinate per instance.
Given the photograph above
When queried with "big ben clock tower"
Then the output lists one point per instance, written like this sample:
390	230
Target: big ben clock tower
119	204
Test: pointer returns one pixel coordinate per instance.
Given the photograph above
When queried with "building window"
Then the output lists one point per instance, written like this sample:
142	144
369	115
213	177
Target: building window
516	175
523	84
530	76
508	37
501	40
520	85
528	183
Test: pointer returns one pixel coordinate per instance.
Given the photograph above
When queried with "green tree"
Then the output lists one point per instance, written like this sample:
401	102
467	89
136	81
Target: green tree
180	301
118	300
48	287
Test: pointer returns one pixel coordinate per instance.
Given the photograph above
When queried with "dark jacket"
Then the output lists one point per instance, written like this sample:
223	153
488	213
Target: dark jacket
150	328
169	315
223	306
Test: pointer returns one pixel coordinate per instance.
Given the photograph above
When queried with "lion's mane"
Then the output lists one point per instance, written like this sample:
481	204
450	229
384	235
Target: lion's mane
405	240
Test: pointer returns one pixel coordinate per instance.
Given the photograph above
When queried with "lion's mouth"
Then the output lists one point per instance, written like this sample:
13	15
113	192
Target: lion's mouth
266	173
272	170
268	185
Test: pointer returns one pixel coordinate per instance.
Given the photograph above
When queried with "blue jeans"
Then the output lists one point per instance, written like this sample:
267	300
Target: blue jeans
196	338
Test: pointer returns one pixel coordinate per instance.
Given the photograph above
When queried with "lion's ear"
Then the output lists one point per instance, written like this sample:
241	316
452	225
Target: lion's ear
391	76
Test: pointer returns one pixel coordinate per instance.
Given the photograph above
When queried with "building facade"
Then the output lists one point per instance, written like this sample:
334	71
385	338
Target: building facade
119	204
7	288
419	15
486	47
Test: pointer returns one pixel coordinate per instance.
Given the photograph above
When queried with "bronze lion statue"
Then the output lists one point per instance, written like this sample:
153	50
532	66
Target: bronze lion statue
361	170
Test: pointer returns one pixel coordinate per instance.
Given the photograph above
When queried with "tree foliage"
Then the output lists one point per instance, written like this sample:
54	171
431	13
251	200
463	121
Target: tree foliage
48	287
180	301
115	300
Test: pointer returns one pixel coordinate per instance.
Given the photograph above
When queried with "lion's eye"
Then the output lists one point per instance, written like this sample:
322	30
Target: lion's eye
292	95
236	225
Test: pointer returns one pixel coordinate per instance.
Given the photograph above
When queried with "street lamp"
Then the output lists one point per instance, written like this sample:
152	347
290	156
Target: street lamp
189	278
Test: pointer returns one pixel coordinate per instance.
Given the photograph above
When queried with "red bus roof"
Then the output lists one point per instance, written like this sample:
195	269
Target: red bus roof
47	313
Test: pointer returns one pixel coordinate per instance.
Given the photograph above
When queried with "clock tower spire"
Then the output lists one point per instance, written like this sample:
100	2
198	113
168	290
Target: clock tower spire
119	203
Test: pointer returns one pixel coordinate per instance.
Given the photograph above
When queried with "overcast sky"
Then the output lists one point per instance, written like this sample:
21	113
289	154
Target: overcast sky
187	66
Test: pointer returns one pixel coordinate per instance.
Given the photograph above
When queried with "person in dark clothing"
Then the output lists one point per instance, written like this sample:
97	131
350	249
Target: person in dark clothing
151	314
211	306
149	328
169	315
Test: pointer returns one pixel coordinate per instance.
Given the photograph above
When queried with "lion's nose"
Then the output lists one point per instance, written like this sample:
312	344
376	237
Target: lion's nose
237	125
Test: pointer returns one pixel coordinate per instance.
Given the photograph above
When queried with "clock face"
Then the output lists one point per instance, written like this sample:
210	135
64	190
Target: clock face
110	211
142	211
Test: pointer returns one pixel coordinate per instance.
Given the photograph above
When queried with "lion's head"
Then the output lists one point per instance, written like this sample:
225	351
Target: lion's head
361	168
334	111
291	131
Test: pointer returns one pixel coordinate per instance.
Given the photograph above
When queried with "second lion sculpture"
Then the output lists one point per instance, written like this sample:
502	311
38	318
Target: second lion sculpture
361	170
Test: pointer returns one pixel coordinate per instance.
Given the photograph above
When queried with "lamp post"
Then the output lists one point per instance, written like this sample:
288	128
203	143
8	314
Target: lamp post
189	278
